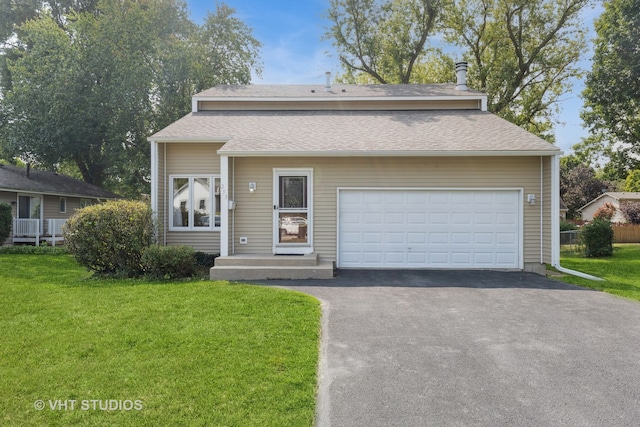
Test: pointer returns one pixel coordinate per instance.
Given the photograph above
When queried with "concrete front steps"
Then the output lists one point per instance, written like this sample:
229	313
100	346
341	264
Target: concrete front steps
263	267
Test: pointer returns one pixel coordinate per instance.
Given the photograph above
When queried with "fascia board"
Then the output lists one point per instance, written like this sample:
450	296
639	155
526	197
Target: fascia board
341	98
217	139
232	153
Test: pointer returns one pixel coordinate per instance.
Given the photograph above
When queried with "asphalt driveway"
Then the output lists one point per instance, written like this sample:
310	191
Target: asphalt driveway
444	348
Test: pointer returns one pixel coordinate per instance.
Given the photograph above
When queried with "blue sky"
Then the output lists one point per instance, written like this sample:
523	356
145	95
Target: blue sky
293	52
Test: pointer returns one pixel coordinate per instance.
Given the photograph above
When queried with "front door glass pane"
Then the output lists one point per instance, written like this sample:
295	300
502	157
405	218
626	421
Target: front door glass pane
293	227
293	192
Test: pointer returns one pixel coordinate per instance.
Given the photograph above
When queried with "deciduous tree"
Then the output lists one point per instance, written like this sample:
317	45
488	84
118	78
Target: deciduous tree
612	90
383	40
523	54
578	186
89	87
632	182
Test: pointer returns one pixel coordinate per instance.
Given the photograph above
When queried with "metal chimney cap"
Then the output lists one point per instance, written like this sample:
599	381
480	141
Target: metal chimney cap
461	75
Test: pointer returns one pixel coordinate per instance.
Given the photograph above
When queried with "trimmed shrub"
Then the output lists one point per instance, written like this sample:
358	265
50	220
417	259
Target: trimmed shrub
111	237
34	250
631	212
168	262
5	221
205	260
605	212
597	238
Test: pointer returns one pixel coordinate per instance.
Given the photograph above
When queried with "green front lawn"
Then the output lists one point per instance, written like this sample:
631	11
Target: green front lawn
182	353
620	271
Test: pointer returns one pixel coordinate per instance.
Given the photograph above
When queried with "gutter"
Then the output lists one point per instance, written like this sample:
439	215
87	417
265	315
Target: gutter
388	153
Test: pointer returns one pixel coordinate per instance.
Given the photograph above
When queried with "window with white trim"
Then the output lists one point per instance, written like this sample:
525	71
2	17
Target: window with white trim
194	202
62	205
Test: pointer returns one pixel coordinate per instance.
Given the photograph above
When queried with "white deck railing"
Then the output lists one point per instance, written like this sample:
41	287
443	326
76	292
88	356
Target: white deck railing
54	228
25	227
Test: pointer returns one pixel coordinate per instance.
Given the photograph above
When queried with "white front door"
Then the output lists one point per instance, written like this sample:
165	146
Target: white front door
292	211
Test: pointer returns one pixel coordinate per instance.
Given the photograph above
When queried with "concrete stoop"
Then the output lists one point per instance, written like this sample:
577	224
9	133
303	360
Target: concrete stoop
264	267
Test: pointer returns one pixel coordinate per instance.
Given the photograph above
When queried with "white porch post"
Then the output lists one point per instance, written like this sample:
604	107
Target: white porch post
224	208
555	210
154	185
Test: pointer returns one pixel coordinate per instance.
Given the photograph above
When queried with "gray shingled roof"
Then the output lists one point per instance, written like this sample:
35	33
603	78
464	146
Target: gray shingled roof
337	91
13	178
624	195
353	132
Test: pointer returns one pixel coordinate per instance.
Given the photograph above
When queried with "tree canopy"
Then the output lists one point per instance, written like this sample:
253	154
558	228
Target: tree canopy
612	89
579	185
523	54
87	86
382	39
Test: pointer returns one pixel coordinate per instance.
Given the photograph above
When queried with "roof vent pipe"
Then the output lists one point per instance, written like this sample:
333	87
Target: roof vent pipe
327	87
461	76
28	169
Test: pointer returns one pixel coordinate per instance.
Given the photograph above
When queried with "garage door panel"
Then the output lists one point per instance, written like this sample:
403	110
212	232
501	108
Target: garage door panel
438	198
351	237
429	228
416	218
482	238
394	257
417	258
484	259
438	259
372	218
416	198
505	259
393	238
461	238
506	238
369	238
395	218
439	218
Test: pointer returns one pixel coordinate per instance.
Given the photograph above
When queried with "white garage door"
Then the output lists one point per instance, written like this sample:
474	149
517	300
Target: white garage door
429	229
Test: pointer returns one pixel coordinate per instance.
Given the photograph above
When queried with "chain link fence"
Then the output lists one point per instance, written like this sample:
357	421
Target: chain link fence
570	242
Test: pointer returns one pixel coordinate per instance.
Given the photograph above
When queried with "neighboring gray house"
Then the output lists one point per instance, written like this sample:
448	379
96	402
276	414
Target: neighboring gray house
356	176
616	198
42	201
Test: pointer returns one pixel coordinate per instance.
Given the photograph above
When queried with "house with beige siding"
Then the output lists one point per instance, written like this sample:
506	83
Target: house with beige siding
302	179
42	201
616	198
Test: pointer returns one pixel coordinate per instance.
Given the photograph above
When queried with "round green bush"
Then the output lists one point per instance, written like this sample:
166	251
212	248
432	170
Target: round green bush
597	238
168	262
110	237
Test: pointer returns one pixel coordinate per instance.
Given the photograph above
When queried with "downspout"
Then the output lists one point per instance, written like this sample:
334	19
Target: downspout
233	212
555	222
541	211
164	180
224	210
154	186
